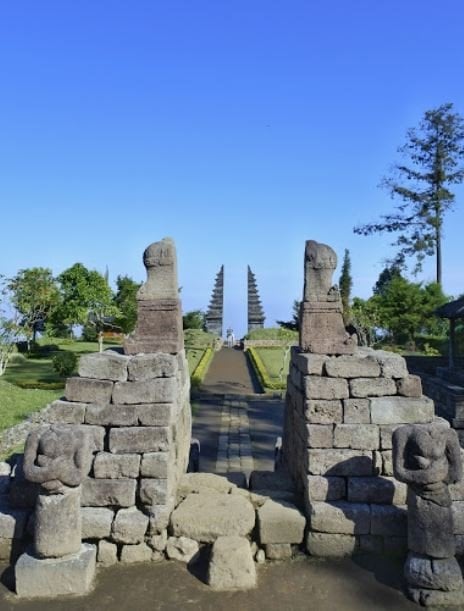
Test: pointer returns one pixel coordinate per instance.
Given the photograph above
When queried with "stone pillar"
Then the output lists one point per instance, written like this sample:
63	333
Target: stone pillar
159	320
427	458
255	309
342	405
58	458
214	315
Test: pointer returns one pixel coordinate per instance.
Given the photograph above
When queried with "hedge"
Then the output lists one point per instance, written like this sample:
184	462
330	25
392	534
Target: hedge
200	370
262	373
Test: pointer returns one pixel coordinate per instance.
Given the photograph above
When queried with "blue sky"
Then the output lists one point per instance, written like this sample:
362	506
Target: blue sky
240	129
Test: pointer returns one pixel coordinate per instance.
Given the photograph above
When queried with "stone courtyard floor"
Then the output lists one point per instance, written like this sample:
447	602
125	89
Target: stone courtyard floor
365	583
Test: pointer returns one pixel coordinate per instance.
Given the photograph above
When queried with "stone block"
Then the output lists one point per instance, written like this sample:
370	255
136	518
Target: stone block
389	520
107	553
129	526
321	488
436	598
392	365
271	480
96	435
159	328
323	412
52	577
383	490
65	412
111	415
401	410
340	517
87	390
319	435
181	548
357	436
433	573
386	433
231	566
372	387
410	386
207	516
457	491
96	522
340	462
458	517
352	366
154	491
104	366
155	464
395	546
335	545
156	414
326	388
158	542
278	551
139	439
131	554
158	390
387	463
371	544
57	524
12	523
103	492
280	522
148	366
356	411
116	466
160	516
309	364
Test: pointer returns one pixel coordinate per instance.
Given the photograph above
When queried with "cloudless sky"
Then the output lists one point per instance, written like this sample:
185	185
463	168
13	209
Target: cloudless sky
239	128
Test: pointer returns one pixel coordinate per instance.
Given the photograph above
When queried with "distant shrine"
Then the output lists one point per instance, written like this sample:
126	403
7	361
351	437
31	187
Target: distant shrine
255	309
215	313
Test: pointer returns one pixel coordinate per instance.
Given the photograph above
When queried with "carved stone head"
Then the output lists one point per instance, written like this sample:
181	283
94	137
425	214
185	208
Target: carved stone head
160	261
320	264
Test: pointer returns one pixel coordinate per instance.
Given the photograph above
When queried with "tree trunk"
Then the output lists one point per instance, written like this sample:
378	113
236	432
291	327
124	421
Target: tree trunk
438	253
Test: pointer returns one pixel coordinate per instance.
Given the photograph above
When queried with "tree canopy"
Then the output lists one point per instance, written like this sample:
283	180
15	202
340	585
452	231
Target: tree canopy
432	163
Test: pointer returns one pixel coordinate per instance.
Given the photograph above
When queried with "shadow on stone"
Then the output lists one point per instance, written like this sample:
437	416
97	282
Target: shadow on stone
198	566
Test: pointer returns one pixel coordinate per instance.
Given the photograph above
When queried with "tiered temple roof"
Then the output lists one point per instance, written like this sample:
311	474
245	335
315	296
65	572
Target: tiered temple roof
214	315
255	309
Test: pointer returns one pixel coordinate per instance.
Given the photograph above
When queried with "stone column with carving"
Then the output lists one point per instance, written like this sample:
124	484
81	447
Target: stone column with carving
427	458
58	458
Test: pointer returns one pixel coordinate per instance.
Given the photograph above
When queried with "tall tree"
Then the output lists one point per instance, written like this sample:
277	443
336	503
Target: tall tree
195	319
345	284
433	155
126	301
34	294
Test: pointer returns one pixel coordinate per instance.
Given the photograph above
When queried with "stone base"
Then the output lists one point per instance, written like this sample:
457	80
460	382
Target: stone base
322	330
159	327
51	577
436	598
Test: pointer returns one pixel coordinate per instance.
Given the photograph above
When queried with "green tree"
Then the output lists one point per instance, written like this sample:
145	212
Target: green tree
194	320
345	285
84	293
432	155
34	294
385	277
126	302
365	316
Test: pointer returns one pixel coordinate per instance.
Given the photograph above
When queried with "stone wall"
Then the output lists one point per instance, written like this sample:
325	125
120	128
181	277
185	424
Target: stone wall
137	412
337	444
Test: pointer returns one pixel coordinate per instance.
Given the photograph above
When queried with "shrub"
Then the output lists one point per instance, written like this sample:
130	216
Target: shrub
273	333
262	373
195	338
200	370
64	363
39	384
89	333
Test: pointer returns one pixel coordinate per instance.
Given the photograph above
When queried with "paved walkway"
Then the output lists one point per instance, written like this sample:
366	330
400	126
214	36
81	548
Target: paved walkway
236	426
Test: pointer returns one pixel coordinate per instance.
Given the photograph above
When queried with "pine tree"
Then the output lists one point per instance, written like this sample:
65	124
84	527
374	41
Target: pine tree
345	285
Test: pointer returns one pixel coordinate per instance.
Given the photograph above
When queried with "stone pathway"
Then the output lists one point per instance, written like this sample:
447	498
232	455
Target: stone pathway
234	443
230	373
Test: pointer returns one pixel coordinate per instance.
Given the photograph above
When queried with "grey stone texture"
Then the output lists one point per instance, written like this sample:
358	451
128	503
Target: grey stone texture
156	414
116	466
57	524
144	367
278	551
231	565
320	488
107	553
320	436
181	548
434	574
104	366
66	412
208	515
323	412
12	522
341	462
308	363
317	387
383	490
111	415
326	544
353	366
389	520
140	552
357	436
96	522
401	410
139	439
129	526
356	411
372	387
156	390
52	577
280	522
154	491
88	390
155	464
410	386
108	492
340	517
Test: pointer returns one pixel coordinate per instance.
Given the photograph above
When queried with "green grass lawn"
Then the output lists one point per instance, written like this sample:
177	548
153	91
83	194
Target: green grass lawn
193	357
17	403
272	359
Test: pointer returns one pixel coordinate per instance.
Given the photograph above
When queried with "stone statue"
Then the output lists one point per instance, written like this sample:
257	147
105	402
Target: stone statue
427	458
161	264
58	458
321	314
159	315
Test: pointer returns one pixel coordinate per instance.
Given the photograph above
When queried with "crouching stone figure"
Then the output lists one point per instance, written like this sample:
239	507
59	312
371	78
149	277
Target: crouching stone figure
427	458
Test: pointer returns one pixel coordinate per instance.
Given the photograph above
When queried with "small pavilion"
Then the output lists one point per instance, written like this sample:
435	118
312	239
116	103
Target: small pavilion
453	311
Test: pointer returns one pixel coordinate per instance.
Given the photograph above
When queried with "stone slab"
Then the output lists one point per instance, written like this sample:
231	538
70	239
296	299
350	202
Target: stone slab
87	390
155	414
383	490
320	488
116	466
316	387
111	415
280	522
107	553
158	390
330	545
107	492
340	517
308	363
12	522
401	410
155	464
340	462
52	577
139	439
352	366
356	411
129	526
357	436
154	491
319	435
389	520
148	366
106	365
323	411
65	412
96	522
132	554
231	565
410	386
372	387
181	548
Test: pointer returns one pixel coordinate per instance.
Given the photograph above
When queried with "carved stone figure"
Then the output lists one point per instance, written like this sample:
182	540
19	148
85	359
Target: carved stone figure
427	458
58	458
159	316
321	322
